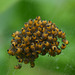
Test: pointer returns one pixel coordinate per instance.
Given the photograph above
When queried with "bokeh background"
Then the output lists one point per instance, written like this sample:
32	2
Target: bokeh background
13	15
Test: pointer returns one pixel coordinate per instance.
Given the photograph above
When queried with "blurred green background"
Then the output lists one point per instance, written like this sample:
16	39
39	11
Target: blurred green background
13	15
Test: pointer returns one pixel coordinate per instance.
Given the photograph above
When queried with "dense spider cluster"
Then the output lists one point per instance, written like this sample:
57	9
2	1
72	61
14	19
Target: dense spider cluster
36	37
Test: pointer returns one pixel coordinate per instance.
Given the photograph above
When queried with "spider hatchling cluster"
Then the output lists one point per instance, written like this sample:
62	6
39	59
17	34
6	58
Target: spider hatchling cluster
37	37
